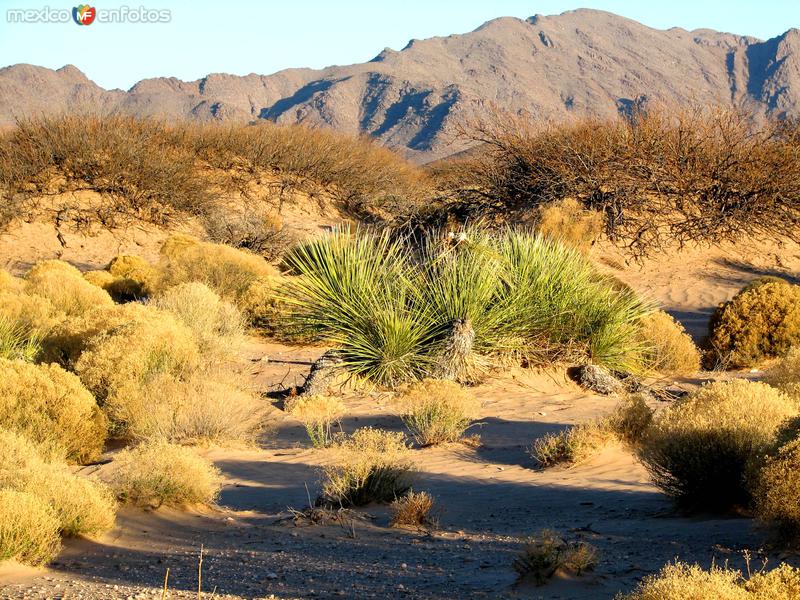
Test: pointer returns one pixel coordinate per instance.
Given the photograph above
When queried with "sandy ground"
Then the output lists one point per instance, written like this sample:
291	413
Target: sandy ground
490	495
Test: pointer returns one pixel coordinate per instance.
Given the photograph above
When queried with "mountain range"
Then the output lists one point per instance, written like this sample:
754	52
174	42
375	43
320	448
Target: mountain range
581	62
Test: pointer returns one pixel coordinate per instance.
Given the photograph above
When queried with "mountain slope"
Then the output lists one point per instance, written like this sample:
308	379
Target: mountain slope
577	63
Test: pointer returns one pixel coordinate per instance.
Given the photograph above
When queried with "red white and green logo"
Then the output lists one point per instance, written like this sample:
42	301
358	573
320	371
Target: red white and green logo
84	14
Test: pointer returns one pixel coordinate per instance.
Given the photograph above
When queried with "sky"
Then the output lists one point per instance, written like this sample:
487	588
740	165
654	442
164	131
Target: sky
247	36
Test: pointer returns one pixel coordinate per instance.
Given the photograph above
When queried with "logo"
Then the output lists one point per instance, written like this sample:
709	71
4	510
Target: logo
84	14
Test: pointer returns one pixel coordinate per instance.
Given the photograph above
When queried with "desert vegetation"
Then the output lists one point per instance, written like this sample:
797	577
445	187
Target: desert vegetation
319	415
547	552
436	412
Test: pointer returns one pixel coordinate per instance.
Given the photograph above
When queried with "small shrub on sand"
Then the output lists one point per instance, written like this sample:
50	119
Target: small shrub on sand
226	270
217	325
681	581
205	406
670	350
777	488
52	408
545	553
159	473
437	411
572	445
413	510
318	414
570	223
28	529
758	323
631	419
698	450
785	374
370	465
65	288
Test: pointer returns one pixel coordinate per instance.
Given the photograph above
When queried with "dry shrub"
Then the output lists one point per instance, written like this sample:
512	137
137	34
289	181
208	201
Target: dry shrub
158	473
16	342
65	288
265	309
776	491
28	529
83	506
30	312
785	374
413	510
52	408
371	465
216	324
437	411
259	231
9	283
572	445
699	449
631	419
759	322
545	553
570	223
228	271
681	581
670	350
205	406
318	414
125	278
100	278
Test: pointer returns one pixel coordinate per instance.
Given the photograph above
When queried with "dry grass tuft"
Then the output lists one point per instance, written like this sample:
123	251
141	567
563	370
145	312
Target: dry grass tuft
572	445
28	529
570	223
670	350
414	509
159	473
631	420
785	374
65	288
318	414
546	552
370	465
52	408
437	411
699	449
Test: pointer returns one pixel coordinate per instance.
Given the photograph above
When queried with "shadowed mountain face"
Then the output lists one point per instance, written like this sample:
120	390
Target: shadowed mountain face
577	63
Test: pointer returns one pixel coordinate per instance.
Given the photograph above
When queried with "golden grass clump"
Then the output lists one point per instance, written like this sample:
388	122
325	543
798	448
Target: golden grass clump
573	445
760	322
371	465
66	289
226	270
681	581
9	283
631	420
217	325
437	411
32	313
570	223
204	406
318	414
670	350
52	408
699	449
546	552
125	278
28	529
159	473
785	374
776	490
413	510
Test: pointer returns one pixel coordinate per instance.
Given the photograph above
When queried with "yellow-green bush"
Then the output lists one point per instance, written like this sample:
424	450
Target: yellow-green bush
437	411
681	581
217	325
760	322
159	473
52	408
28	529
318	414
371	465
82	506
30	312
135	275
699	449
226	270
776	491
64	286
670	350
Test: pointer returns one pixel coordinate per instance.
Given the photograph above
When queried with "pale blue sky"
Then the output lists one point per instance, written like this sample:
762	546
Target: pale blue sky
245	36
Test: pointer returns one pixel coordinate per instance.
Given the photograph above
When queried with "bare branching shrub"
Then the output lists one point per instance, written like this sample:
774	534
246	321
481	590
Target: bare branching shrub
670	350
226	270
259	231
777	489
414	509
370	465
52	408
681	581
545	553
159	473
570	223
28	529
318	414
660	177
572	445
437	411
65	288
760	322
699	449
